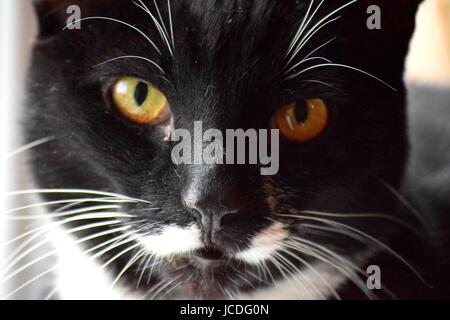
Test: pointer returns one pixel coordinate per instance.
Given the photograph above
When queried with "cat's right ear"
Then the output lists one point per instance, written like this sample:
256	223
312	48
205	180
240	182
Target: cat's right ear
51	15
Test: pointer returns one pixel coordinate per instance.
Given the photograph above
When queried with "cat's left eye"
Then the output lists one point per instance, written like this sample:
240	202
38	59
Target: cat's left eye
302	121
140	102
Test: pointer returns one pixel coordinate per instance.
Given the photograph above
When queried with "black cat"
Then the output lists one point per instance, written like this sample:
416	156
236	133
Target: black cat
111	93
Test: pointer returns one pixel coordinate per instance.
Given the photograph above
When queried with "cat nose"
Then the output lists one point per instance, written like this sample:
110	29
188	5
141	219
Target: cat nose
208	211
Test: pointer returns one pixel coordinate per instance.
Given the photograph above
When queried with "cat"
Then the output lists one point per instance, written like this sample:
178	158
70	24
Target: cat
154	229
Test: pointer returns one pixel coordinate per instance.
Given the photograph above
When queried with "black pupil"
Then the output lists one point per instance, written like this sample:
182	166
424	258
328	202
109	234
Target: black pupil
301	111
141	92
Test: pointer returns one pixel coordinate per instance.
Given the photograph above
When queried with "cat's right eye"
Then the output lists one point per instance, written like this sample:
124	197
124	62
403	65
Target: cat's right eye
140	102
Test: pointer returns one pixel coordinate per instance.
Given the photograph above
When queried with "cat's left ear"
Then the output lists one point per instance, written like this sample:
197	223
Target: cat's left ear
52	16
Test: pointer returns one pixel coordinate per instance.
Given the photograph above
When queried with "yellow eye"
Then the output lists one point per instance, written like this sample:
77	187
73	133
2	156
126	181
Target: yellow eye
139	101
302	122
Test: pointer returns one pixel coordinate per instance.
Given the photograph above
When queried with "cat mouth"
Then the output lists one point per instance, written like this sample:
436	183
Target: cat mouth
208	272
209	255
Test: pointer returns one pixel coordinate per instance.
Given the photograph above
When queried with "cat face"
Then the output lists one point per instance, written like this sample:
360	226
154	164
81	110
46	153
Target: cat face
212	231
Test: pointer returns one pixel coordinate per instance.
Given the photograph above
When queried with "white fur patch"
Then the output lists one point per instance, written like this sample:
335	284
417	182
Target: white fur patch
81	277
264	244
173	240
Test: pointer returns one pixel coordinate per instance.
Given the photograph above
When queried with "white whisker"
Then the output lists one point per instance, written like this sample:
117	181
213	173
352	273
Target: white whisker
319	82
319	47
132	261
121	253
314	270
71	191
113	246
161	289
318	25
171	23
309	36
159	25
306	280
340	66
65	214
69	201
371	238
301	28
306	60
132	57
403	200
34	279
343	265
29	146
120	22
33	248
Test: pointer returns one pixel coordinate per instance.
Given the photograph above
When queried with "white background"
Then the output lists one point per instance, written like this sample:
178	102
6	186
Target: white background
16	35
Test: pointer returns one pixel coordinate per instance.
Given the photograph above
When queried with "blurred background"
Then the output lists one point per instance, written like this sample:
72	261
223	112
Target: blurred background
428	64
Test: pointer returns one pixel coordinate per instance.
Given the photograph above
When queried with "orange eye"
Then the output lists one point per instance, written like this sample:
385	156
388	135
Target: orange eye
302	122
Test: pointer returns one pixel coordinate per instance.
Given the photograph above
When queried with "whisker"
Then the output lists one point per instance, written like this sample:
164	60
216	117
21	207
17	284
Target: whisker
174	287
71	191
319	82
340	66
51	294
47	272
301	274
29	146
113	246
306	60
332	290
77	201
161	289
89	214
341	264
169	9
319	47
361	215
132	57
316	26
303	26
146	263
120	22
159	26
33	262
132	261
309	36
374	240
403	200
26	284
280	267
71	231
105	243
66	213
367	236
